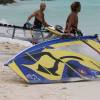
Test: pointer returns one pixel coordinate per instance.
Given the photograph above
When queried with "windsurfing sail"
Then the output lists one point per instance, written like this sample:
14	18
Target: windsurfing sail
22	33
59	60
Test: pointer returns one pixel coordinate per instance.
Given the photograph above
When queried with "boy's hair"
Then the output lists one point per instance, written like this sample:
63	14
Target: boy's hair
74	6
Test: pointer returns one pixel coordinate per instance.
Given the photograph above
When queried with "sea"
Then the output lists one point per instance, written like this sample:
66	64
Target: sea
56	13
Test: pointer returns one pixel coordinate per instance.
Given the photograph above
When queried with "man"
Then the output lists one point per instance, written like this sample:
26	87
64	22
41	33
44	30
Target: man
39	21
72	21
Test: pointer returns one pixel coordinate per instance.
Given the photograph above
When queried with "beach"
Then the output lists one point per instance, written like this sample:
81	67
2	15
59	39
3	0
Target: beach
12	87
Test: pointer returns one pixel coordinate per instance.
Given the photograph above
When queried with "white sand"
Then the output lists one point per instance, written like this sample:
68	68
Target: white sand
14	88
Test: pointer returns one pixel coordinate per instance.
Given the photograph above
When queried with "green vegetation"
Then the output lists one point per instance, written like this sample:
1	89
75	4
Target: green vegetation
6	1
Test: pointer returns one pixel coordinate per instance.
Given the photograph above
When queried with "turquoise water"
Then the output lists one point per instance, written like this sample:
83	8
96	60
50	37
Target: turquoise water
56	13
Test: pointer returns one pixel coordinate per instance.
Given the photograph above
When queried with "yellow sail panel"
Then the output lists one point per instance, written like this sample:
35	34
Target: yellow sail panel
15	68
48	75
94	44
66	44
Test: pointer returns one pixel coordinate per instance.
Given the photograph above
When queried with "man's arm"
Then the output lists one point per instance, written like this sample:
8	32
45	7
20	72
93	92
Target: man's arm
30	17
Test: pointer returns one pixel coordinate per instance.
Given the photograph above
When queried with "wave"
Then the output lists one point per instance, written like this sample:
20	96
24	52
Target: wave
4	21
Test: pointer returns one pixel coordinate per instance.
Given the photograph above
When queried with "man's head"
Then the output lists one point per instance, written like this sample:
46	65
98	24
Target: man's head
42	6
76	7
